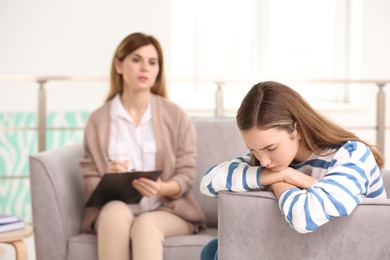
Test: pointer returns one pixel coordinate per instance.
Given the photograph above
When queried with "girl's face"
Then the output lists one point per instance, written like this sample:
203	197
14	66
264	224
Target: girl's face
274	148
139	69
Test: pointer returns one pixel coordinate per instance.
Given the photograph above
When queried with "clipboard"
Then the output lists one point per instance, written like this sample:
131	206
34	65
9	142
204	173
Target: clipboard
117	186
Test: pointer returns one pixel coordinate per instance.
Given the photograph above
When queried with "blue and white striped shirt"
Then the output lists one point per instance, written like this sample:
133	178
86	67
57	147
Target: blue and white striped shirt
345	177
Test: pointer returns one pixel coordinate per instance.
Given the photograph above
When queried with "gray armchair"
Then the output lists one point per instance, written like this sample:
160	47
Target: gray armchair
251	226
58	200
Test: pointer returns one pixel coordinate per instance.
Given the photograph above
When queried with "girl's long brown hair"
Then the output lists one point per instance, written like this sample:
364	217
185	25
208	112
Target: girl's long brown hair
271	104
128	45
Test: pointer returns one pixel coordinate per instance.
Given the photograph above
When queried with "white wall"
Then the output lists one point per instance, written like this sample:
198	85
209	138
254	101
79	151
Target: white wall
72	37
53	37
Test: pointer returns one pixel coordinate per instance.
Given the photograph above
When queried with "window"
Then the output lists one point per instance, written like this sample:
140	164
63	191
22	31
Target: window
236	44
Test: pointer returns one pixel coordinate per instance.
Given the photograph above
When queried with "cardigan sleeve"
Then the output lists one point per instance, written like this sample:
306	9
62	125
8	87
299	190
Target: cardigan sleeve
91	177
185	154
93	163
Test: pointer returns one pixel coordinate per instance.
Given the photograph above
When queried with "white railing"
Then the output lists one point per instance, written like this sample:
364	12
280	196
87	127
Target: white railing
219	109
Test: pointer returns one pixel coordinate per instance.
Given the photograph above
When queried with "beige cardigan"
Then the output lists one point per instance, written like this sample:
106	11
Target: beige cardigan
175	156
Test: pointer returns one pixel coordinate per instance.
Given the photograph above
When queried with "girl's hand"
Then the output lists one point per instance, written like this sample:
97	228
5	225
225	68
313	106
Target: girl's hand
288	175
147	187
118	166
298	178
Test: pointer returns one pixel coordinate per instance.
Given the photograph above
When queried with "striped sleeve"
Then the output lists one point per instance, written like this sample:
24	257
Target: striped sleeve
354	177
236	175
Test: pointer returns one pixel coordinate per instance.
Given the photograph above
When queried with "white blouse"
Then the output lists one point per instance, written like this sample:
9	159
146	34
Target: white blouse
134	143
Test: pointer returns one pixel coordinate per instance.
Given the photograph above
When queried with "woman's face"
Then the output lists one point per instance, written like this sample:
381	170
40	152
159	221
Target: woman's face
274	148
139	69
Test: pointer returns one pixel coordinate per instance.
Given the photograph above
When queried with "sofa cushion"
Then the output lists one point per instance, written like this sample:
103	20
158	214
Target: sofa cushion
82	247
182	247
188	247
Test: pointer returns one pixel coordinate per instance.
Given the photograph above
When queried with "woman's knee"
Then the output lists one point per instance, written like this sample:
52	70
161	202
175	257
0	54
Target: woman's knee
146	223
143	221
115	211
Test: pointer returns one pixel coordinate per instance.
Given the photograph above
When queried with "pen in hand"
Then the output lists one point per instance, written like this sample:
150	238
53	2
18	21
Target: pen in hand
116	166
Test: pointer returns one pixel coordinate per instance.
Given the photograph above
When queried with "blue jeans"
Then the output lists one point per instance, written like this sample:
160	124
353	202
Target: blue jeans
210	250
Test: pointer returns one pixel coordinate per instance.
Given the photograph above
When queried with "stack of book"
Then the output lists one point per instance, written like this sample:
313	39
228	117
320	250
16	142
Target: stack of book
10	223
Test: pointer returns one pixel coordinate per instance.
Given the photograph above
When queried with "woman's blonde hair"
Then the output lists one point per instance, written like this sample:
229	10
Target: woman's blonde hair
273	105
128	45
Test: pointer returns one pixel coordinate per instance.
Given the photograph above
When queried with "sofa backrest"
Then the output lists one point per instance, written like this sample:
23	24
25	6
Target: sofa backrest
218	140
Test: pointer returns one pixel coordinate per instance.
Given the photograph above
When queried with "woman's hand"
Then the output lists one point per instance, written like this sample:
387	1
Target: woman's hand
147	187
118	166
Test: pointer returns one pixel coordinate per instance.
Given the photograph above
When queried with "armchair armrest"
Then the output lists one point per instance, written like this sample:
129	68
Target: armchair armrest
251	226
57	199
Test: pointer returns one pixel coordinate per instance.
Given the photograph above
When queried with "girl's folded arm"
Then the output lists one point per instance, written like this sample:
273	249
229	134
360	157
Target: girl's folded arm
236	175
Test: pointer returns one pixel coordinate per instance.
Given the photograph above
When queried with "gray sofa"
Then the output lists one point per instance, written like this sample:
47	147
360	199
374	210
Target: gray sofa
250	225
58	200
